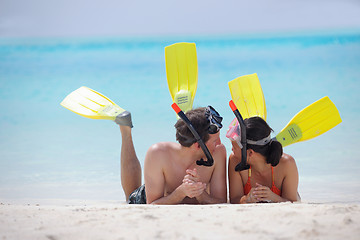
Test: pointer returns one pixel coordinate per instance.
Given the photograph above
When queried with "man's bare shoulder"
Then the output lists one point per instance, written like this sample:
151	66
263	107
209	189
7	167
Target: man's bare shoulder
161	150
220	153
220	148
163	146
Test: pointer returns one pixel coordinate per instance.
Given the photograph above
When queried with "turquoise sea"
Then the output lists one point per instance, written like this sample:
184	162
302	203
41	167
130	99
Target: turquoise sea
48	152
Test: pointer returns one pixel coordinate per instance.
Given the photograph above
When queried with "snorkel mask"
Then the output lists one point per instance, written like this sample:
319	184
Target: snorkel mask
215	125
214	118
234	132
237	133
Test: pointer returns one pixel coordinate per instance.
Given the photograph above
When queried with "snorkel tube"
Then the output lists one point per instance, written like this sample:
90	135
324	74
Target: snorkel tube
242	165
201	162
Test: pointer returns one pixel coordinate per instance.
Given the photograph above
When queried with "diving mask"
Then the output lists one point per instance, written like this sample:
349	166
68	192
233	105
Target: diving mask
234	132
214	118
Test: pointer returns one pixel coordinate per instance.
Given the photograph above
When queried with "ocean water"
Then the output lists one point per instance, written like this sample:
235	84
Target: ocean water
48	152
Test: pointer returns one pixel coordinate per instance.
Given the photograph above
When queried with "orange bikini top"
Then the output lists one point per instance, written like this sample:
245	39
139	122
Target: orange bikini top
273	188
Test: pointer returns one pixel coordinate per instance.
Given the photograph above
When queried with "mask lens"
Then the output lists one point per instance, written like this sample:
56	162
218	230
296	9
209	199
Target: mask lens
234	132
214	119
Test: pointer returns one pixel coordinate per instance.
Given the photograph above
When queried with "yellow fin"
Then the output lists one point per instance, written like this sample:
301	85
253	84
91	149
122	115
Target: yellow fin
182	73
91	104
247	94
312	121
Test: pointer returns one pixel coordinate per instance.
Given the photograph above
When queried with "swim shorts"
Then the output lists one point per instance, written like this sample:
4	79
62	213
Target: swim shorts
138	196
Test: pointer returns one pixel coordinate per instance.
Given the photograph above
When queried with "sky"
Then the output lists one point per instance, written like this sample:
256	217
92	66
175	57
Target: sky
84	18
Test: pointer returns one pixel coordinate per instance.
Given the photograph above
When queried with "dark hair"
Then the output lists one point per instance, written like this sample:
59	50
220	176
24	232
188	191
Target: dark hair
199	121
257	129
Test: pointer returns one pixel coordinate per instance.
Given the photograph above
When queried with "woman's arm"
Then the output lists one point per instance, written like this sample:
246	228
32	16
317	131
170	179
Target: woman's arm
287	168
289	189
236	186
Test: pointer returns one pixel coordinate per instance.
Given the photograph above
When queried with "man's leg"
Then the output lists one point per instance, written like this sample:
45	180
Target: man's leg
129	163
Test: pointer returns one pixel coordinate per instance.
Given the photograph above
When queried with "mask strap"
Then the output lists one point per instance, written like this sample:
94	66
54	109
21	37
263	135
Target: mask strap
261	142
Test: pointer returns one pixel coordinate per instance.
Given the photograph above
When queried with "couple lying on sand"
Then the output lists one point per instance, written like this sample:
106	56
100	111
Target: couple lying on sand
172	175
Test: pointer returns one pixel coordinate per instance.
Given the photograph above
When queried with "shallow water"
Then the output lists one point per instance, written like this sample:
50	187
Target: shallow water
49	152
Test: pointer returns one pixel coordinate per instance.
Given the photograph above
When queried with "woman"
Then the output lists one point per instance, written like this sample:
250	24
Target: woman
272	176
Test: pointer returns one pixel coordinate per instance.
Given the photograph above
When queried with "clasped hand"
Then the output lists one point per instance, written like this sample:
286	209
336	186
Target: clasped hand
192	187
261	194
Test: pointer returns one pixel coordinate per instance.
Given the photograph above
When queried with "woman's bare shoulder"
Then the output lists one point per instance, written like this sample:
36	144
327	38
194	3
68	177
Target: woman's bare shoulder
233	160
286	161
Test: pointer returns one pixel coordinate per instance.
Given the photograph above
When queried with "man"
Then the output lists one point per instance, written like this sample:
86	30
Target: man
170	170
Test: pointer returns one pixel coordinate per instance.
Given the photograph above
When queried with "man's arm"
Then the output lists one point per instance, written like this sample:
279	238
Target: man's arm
218	190
155	180
184	190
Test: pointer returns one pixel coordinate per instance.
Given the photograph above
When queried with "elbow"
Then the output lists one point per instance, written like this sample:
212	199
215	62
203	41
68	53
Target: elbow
223	200
297	199
235	200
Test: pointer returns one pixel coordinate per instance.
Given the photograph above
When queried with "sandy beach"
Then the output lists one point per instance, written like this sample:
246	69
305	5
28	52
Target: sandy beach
225	221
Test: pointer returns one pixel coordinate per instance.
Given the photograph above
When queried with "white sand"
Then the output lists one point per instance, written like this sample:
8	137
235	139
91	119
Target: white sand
225	221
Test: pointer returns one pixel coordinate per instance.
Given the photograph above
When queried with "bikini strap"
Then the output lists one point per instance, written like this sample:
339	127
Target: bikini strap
272	175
